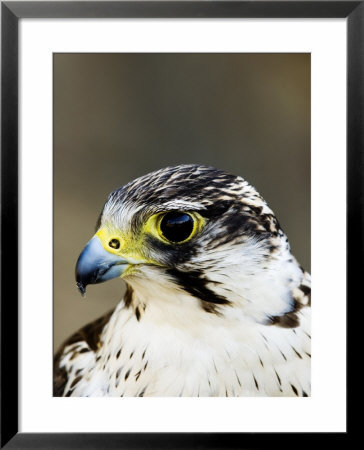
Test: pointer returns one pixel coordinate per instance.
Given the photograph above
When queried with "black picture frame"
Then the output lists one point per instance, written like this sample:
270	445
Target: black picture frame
11	12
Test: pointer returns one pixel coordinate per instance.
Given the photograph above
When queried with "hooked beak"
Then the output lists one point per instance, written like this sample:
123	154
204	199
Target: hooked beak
96	265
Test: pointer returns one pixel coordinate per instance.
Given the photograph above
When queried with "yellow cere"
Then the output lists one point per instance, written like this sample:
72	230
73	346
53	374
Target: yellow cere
130	245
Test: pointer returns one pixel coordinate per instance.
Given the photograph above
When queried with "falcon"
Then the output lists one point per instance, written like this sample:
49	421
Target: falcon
216	305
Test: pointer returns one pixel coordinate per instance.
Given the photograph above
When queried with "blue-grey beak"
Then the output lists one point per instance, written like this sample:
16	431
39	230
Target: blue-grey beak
96	265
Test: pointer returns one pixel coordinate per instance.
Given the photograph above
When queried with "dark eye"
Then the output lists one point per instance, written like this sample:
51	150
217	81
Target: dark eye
176	226
114	243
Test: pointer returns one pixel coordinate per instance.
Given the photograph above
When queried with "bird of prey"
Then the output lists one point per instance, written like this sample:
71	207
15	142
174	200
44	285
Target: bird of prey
216	305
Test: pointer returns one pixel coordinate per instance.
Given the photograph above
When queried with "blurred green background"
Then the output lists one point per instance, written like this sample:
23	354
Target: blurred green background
119	116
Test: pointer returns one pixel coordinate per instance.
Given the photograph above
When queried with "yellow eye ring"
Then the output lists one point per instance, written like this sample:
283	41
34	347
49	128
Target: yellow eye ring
178	227
174	227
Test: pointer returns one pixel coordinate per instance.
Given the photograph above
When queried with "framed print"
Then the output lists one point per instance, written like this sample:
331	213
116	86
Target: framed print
98	94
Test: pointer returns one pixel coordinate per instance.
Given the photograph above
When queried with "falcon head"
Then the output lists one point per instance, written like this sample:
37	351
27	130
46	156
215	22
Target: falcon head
193	234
